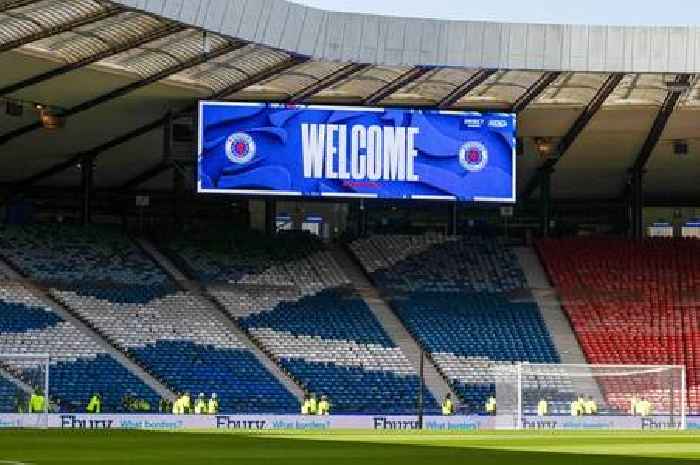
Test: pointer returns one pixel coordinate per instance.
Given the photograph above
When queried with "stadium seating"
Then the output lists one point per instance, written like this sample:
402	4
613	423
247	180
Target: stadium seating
180	340
10	394
288	259
289	295
451	294
631	302
176	336
72	254
333	345
79	367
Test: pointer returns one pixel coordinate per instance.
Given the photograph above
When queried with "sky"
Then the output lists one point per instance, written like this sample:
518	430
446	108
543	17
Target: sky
612	12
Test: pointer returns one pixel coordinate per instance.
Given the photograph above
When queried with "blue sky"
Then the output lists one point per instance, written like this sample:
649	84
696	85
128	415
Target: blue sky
621	12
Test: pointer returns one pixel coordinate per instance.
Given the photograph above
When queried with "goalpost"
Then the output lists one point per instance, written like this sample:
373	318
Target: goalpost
590	396
22	375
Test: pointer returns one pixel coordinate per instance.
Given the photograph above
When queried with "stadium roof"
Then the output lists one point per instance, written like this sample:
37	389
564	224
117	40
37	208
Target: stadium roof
593	102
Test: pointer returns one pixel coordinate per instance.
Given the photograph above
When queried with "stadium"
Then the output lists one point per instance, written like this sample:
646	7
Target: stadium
260	231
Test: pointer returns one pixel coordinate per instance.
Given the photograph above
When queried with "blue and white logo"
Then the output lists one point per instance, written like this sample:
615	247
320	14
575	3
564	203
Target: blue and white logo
474	123
498	124
240	148
473	156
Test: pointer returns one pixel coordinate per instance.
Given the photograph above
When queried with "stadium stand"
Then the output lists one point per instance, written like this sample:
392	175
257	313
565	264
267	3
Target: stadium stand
110	284
8	395
79	367
334	345
291	296
451	294
631	302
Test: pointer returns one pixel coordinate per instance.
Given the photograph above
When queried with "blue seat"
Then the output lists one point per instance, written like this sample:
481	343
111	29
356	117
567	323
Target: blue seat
336	316
242	384
454	296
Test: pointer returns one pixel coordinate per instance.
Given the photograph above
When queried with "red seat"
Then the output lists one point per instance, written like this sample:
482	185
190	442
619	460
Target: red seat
631	302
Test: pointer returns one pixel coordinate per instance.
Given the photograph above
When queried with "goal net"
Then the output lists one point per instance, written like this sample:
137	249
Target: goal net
21	377
590	396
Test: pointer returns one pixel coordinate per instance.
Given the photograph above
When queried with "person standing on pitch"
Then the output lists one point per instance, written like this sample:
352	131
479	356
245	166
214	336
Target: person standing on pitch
200	405
575	408
213	407
305	405
633	404
491	405
37	402
644	407
164	406
177	405
324	407
313	404
590	407
186	403
448	407
95	404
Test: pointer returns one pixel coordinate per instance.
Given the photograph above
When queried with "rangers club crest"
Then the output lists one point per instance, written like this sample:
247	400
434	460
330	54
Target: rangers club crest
473	156
240	148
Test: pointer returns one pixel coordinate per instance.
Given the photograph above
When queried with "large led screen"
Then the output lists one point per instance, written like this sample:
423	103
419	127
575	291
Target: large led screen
355	152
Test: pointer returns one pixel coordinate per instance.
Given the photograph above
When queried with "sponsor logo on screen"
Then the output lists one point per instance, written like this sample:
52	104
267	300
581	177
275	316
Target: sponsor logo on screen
240	148
473	156
498	124
474	123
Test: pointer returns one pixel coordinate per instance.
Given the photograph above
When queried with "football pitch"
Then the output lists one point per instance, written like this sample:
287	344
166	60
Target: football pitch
115	447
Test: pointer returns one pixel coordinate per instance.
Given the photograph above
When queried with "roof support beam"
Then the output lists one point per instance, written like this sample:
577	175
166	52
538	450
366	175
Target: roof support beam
16	4
577	128
660	123
121	91
333	78
39	78
396	84
93	153
250	80
534	91
467	86
52	31
167	163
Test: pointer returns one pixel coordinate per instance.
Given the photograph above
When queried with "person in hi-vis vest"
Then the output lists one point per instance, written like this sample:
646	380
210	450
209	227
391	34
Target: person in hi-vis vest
306	405
542	408
590	407
213	405
95	404
200	405
324	406
491	406
575	408
313	404
448	407
37	402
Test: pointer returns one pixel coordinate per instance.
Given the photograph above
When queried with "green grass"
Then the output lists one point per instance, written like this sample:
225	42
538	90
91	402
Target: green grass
346	447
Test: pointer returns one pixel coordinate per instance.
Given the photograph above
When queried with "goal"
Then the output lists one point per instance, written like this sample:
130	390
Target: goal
22	375
590	396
